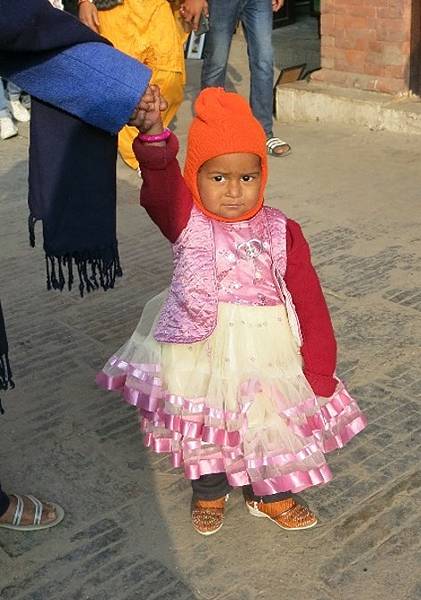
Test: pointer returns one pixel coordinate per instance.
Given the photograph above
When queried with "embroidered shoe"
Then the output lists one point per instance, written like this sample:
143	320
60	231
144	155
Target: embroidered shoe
287	514
208	515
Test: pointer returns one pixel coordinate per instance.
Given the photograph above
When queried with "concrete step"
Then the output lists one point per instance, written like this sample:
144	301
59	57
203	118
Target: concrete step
308	101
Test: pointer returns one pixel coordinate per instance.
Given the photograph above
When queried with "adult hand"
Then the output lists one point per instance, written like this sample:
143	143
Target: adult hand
277	5
88	14
191	10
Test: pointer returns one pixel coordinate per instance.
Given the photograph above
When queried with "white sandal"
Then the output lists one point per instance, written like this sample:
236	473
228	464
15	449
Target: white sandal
36	525
273	143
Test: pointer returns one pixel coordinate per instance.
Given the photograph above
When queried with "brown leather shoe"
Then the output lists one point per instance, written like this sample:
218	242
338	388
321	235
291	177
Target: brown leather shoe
208	515
287	513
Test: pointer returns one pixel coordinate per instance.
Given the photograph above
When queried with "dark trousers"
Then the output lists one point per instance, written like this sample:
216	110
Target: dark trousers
4	502
211	487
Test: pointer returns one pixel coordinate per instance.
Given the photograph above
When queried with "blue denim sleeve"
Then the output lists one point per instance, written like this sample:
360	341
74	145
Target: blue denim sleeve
92	81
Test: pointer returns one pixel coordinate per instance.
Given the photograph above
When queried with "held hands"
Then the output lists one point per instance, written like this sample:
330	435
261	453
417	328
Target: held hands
147	115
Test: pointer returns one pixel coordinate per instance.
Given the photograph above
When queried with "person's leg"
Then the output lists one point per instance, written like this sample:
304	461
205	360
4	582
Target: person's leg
223	18
19	112
4	502
7	127
13	91
4	110
210	487
250	495
257	18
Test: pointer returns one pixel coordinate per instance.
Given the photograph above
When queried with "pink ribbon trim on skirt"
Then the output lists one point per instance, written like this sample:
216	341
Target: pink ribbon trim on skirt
179	435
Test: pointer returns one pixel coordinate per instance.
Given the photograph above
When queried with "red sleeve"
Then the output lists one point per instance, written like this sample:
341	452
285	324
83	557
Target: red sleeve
164	193
319	344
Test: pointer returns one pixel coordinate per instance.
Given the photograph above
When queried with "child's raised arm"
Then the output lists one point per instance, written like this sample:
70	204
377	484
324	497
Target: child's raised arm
164	193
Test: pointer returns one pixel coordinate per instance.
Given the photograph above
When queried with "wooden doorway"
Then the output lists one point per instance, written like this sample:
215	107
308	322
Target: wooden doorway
415	56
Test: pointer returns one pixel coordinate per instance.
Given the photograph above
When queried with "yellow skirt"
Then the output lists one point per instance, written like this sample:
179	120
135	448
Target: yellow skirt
150	32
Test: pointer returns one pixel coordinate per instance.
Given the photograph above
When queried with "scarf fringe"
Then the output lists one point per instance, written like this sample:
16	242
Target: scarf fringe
31	230
93	270
92	273
6	376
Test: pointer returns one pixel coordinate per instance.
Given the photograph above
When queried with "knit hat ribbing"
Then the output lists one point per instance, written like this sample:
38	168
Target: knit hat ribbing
223	124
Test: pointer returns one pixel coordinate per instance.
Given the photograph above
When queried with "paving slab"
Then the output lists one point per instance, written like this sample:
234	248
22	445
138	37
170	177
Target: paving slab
127	531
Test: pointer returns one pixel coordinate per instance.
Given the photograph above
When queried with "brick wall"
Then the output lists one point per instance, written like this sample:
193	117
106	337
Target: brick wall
366	44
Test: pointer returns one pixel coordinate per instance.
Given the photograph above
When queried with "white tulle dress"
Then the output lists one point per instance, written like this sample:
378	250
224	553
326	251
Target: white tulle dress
236	402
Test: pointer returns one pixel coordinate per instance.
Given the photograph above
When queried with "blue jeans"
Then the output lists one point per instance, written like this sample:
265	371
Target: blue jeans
256	17
13	93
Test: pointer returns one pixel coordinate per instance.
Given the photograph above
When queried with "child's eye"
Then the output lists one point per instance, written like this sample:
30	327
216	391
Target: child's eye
218	178
247	178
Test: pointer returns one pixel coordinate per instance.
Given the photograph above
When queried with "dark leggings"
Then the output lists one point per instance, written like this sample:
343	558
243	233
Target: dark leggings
211	487
4	502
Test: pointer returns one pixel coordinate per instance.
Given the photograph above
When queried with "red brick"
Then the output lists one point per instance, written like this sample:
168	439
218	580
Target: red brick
390	85
345	3
328	51
357	22
328	25
397	72
339	23
355	57
327	63
330	76
327	6
376	46
392	30
359	40
393	55
360	11
373	69
328	41
390	12
375	58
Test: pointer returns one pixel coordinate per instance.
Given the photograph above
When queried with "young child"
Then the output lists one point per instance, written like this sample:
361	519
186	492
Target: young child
233	368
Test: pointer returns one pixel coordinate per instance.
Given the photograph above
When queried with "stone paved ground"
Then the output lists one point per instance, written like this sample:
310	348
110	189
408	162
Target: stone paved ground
127	535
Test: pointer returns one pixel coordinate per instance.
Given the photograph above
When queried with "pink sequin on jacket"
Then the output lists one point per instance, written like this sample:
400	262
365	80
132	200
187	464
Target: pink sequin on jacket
190	311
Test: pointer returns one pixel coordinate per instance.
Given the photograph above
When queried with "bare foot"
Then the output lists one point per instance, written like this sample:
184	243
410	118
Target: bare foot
49	514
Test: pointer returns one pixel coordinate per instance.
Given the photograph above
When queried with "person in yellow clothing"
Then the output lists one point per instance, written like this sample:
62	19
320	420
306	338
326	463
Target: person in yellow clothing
150	31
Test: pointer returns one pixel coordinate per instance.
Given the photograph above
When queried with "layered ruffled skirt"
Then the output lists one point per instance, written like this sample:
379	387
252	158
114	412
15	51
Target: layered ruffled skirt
237	402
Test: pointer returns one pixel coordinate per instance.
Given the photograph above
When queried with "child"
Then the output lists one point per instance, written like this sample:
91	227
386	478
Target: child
233	368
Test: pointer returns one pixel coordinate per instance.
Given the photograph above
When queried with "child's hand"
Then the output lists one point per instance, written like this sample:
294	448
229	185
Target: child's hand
147	117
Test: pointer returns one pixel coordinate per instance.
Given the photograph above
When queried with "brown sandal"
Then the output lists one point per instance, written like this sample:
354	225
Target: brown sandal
287	514
208	515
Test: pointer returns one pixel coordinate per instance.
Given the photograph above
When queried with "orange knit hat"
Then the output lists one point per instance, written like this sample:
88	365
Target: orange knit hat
223	124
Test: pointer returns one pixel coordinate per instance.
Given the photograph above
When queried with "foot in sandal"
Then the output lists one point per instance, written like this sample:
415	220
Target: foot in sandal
287	514
27	513
277	147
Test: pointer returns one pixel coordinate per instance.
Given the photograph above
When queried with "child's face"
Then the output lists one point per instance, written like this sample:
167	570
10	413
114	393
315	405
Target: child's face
229	184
